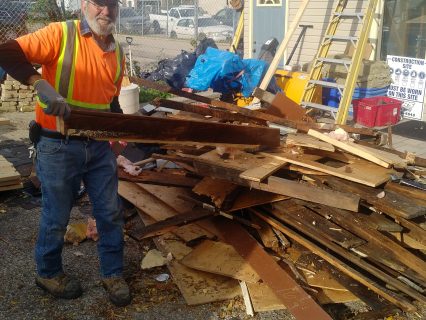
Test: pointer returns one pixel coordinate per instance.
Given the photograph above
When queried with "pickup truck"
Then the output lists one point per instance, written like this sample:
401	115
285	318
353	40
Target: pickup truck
159	21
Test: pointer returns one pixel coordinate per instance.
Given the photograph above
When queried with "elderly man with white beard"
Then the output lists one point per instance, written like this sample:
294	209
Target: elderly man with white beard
82	68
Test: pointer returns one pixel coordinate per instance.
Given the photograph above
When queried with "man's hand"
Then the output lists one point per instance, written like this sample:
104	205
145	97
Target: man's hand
56	104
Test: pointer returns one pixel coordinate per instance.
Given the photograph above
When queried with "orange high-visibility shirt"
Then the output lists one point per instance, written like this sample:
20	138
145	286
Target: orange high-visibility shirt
95	69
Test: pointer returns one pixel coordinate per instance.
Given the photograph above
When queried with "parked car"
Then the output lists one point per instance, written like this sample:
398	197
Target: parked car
12	23
129	21
207	27
159	21
227	16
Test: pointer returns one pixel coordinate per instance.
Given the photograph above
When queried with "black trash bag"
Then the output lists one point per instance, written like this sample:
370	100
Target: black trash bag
173	71
268	50
203	45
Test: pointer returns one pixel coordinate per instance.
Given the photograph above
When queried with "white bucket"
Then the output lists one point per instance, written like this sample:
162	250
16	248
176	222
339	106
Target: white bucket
129	98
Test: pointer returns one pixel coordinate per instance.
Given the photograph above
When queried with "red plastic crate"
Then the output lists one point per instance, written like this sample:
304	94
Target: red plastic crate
377	111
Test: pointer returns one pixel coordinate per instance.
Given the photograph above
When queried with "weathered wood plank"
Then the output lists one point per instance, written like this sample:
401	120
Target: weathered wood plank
351	148
297	301
164	178
207	110
170	224
395	205
147	128
397	257
342	266
265	170
282	106
318	224
356	170
302	126
408	191
306	141
210	164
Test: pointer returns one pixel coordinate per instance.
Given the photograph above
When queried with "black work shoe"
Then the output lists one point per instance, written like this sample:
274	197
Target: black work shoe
118	291
61	286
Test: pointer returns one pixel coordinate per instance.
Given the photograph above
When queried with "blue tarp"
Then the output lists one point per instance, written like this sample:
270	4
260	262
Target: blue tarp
226	72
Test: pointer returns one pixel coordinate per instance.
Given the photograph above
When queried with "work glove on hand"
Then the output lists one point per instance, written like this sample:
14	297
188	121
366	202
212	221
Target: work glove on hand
56	104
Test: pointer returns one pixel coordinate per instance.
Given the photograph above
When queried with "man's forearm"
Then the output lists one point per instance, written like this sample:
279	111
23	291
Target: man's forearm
14	62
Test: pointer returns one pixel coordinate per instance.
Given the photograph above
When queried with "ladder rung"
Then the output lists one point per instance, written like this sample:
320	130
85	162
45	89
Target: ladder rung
336	61
349	14
327	84
307	104
341	38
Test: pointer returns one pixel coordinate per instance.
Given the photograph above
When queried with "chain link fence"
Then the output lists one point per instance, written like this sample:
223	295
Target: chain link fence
152	29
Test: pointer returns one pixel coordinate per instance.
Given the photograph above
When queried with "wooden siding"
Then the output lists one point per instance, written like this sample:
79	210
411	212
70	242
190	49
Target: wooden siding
318	14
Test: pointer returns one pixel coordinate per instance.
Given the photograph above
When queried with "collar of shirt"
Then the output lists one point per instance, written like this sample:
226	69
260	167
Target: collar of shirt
86	31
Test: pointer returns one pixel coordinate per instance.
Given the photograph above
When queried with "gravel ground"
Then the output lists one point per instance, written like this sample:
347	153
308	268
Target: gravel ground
21	299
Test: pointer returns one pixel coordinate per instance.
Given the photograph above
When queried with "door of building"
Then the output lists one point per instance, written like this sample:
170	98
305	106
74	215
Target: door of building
268	22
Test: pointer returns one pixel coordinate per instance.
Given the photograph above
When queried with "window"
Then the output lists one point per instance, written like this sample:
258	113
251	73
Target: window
404	29
183	23
265	3
174	13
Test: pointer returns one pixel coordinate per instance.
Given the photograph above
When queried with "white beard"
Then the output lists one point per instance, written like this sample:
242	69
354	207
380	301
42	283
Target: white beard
98	29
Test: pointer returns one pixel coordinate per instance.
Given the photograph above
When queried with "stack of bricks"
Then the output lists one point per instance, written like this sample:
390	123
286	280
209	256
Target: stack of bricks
16	96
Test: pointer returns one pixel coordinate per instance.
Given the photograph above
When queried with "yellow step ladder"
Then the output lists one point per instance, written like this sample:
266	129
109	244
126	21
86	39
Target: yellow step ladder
353	65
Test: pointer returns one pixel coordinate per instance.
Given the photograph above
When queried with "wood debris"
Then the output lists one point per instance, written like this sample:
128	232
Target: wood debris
322	219
10	179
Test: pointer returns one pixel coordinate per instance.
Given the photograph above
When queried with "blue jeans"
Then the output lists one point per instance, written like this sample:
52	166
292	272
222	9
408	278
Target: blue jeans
61	166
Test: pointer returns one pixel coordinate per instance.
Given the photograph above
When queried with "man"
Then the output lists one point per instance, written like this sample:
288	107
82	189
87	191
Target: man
81	68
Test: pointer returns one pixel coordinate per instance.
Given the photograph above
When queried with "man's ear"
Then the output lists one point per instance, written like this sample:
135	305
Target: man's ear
83	5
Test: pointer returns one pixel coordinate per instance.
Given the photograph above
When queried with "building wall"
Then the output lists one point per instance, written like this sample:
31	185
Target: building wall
317	14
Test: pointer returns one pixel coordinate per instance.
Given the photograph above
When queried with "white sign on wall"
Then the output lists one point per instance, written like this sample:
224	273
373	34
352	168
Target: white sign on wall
409	77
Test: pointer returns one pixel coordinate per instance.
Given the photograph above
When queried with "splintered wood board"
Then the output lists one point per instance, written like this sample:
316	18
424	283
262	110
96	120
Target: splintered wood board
304	140
356	170
220	258
216	189
353	148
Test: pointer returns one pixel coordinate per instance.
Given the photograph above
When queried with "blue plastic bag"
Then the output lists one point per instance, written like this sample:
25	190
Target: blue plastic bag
226	72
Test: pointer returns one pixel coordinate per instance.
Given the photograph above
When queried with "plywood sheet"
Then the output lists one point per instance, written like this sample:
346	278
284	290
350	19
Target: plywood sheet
220	258
198	287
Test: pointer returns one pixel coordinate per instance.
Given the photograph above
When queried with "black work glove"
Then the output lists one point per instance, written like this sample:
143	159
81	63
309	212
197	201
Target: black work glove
56	104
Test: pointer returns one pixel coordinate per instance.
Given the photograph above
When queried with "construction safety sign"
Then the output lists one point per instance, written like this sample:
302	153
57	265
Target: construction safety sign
409	77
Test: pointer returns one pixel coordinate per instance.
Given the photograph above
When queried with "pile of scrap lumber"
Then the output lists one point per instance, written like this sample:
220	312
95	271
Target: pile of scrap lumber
10	179
294	223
